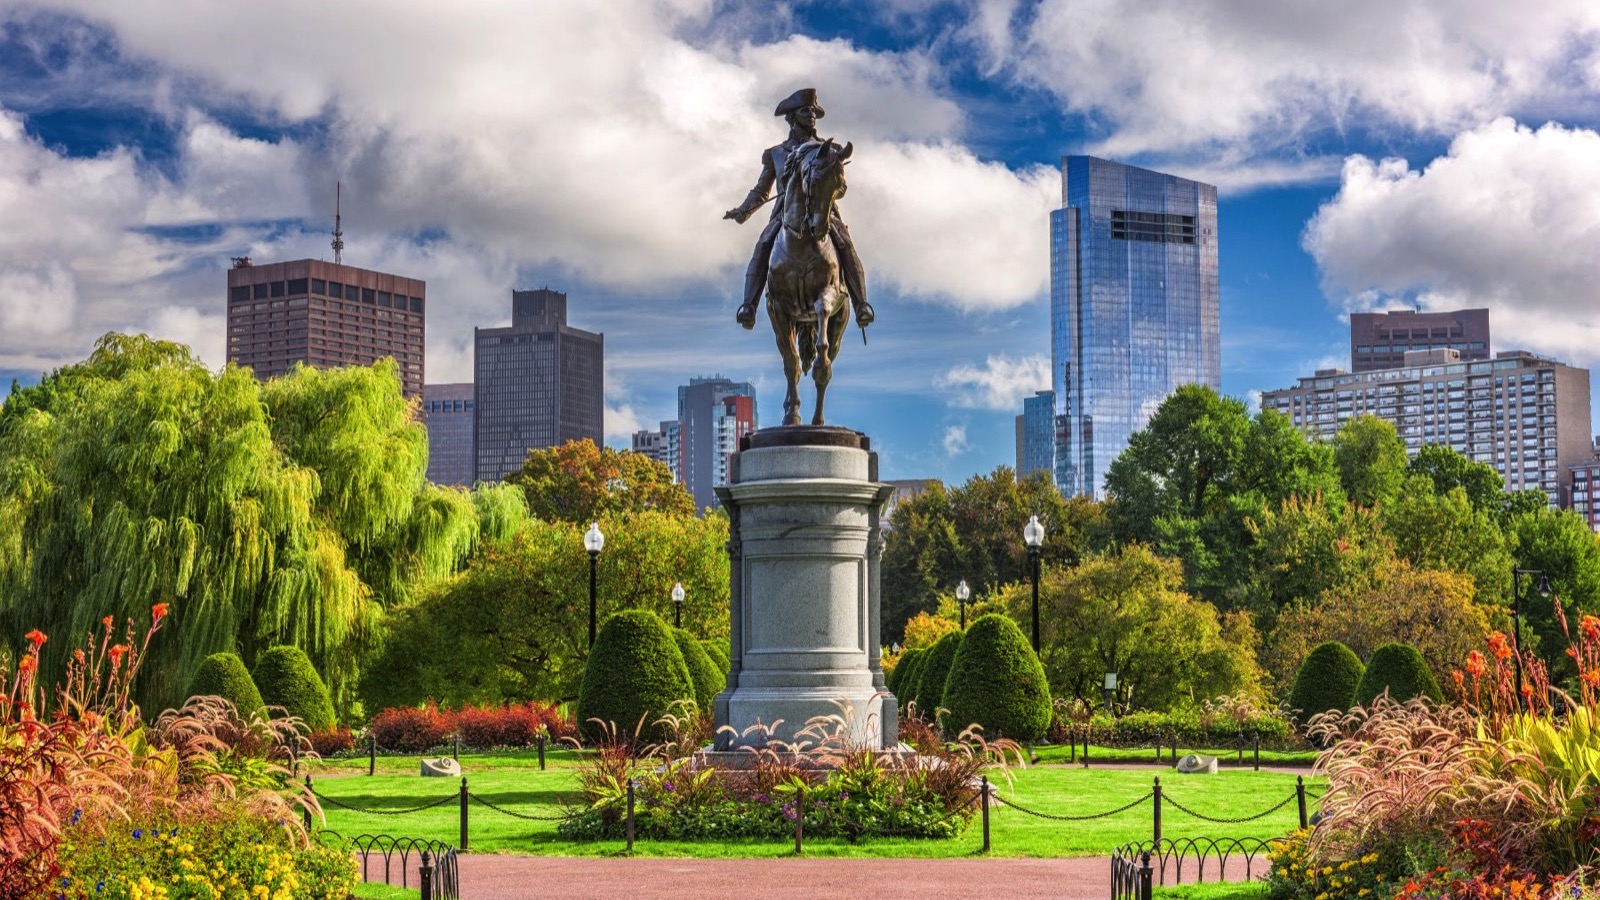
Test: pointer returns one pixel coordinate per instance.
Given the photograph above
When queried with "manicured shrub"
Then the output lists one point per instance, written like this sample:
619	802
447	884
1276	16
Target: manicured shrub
332	741
718	651
224	675
996	681
905	675
410	729
286	678
634	676
487	727
1327	680
708	682
1401	670
935	670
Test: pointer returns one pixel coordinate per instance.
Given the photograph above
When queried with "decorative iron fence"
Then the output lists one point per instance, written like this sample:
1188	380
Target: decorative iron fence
428	865
1137	866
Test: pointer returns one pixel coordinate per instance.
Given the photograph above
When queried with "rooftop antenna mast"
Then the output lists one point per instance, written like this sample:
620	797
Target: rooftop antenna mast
338	229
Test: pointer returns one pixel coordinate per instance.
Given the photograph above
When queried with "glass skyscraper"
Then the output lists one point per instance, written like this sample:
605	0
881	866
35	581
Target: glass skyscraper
1133	307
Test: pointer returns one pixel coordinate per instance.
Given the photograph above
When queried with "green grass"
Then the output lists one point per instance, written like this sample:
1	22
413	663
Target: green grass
1231	890
1058	790
377	890
474	761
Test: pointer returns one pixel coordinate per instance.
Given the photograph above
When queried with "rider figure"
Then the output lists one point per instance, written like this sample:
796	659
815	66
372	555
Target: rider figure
802	111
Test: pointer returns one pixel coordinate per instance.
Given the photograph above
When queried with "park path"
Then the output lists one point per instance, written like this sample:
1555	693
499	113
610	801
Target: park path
496	877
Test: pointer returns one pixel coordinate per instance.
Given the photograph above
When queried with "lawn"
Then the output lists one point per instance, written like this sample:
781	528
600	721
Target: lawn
507	781
1228	757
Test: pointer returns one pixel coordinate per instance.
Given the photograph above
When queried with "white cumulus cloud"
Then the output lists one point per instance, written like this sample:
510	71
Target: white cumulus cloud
1507	219
1001	383
955	440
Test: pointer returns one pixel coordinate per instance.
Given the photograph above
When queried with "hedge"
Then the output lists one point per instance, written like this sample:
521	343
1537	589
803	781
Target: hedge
1327	680
935	672
286	678
997	682
634	676
224	675
1400	669
708	682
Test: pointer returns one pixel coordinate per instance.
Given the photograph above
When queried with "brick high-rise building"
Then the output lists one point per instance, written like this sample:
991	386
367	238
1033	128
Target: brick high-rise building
325	314
1382	340
538	383
713	414
1525	415
1585	477
447	411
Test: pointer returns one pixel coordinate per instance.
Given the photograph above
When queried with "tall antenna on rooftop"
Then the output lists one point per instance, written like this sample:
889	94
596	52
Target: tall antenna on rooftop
338	229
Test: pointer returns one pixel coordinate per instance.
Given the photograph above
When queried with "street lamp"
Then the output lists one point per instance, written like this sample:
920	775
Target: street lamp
962	593
677	604
594	542
1111	689
1516	616
1033	536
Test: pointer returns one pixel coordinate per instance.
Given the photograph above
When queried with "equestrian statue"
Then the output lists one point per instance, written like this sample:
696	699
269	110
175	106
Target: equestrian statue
804	258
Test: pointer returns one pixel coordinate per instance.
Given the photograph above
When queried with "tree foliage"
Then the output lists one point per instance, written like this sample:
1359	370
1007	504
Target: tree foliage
703	673
1371	459
934	672
1126	612
1445	531
224	675
579	482
1560	544
1447	469
293	513
514	626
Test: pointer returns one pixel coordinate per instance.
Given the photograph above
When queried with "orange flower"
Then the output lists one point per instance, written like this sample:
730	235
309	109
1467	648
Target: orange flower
1592	678
1498	645
1591	628
1475	664
158	612
1460	678
78	655
117	653
26	665
36	638
106	622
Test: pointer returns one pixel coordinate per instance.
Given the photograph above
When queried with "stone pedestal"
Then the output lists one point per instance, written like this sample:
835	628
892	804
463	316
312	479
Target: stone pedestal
804	547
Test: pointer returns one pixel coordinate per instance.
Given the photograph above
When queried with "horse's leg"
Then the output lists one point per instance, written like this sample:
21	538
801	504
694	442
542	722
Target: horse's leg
825	299
784	331
834	327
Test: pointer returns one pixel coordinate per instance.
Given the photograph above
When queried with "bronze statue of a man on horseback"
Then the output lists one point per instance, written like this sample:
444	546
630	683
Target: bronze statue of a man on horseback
804	258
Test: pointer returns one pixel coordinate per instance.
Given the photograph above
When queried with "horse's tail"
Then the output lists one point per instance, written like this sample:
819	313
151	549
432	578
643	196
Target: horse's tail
806	337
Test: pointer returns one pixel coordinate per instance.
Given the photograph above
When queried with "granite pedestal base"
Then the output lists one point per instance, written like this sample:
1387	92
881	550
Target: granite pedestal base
804	545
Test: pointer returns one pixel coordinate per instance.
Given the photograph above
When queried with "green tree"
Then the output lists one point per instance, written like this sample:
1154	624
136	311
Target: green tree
1445	531
1127	613
1560	544
579	482
517	619
935	671
224	675
708	681
293	513
1371	459
1307	546
1448	469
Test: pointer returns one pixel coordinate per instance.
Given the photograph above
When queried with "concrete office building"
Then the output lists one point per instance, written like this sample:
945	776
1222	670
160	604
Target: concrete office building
1526	415
713	414
1585	477
1134	307
325	314
1036	434
1381	340
537	383
447	411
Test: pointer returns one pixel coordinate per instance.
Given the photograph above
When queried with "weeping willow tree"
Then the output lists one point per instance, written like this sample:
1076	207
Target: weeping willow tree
294	512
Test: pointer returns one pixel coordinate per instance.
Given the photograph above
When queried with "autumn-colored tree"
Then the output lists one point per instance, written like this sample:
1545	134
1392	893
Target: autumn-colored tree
579	482
1429	609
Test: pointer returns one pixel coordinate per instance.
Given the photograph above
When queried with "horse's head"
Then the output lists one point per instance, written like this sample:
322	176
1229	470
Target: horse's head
820	181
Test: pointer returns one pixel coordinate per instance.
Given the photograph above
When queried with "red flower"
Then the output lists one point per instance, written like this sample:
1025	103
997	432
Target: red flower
158	612
1459	678
37	638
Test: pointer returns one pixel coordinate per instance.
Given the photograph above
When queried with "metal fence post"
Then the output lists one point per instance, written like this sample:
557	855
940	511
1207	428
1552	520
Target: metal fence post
1157	791
1257	736
1146	889
372	754
308	805
631	783
425	876
985	801
799	820
1086	732
1300	795
541	751
463	813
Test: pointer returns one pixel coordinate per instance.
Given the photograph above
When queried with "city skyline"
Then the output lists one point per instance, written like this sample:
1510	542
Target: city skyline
140	148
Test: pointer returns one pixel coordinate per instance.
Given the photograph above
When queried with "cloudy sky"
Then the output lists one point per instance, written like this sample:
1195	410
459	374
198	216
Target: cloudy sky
1370	154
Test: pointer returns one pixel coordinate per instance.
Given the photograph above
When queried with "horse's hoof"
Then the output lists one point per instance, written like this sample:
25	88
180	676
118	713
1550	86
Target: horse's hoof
791	420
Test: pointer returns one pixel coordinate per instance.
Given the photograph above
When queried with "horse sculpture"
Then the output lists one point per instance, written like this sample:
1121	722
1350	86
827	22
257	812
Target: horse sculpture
806	299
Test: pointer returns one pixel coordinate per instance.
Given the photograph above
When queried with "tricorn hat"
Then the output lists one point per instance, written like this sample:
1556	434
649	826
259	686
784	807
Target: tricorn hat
799	100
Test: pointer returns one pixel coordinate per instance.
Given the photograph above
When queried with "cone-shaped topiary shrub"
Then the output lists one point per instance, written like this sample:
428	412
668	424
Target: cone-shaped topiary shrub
997	681
702	671
224	675
635	671
1401	670
1327	680
718	651
935	670
286	678
905	675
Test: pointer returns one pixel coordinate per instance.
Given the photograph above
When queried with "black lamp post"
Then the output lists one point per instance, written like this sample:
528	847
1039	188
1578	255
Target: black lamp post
1516	617
1033	536
677	605
962	593
594	542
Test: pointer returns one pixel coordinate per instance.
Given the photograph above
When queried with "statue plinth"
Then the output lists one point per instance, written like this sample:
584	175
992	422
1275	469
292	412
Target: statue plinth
804	549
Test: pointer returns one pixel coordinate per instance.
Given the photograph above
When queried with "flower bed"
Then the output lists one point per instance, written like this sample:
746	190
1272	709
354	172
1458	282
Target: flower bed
417	729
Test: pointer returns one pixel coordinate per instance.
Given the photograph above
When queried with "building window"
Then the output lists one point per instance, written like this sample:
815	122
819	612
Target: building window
277	289
236	294
297	286
258	292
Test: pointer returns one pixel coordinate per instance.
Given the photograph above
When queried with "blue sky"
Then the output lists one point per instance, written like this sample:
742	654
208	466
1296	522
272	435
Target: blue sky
1370	155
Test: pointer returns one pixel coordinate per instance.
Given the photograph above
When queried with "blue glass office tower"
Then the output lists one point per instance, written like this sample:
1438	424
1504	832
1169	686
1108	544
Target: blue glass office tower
1036	435
1133	307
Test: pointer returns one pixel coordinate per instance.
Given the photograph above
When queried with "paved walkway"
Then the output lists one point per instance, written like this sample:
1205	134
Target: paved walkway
496	877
